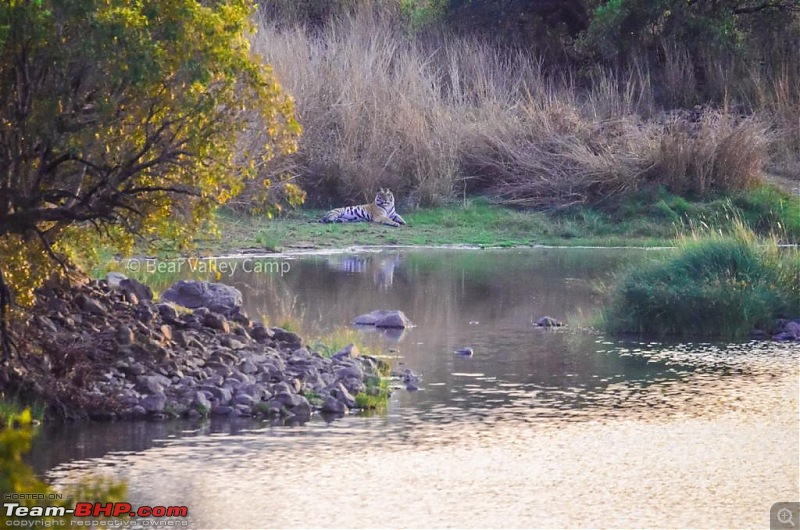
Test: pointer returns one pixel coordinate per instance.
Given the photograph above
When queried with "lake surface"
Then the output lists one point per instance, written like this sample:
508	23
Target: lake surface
539	428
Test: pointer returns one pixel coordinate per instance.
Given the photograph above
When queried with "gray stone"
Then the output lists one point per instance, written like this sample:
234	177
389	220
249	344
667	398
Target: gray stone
46	324
349	351
292	340
154	402
792	328
222	395
231	343
342	394
167	312
114	278
90	305
384	319
221	410
548	322
261	332
242	410
347	372
201	401
244	399
333	406
218	322
125	335
248	367
216	297
138	411
138	289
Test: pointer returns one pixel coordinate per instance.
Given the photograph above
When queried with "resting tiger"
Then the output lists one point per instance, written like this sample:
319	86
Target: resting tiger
381	211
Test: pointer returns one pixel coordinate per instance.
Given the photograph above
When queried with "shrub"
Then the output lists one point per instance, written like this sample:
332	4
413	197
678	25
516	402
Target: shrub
716	285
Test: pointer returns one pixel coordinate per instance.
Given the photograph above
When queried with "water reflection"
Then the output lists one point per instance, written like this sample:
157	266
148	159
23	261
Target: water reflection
504	438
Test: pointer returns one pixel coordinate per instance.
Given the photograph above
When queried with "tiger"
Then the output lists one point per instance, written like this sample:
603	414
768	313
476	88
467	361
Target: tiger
381	211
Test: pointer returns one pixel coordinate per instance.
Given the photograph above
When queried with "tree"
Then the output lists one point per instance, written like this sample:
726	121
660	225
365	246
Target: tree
121	116
621	28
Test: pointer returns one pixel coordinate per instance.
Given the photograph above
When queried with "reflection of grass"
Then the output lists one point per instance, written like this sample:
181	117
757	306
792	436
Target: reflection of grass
11	408
16	436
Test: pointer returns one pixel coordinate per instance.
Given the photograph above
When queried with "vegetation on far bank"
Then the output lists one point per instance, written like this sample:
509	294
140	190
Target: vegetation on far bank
716	285
652	218
698	97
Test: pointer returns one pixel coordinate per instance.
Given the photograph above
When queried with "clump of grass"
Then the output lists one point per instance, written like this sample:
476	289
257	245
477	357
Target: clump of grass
715	285
713	151
375	396
333	341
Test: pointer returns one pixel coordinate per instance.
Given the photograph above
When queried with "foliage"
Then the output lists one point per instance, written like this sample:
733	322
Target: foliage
622	28
16	434
375	396
125	121
715	285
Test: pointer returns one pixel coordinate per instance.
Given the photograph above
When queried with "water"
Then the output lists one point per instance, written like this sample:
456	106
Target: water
539	428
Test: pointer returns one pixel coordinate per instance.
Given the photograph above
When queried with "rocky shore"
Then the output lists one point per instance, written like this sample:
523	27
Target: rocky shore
106	350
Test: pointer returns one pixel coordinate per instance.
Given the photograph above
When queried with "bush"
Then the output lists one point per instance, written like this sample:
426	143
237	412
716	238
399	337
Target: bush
716	285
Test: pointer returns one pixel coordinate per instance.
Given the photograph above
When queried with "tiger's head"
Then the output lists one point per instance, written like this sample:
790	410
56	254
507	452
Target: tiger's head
384	199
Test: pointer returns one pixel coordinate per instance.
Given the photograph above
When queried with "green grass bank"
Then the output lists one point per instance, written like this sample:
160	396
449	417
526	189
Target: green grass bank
647	218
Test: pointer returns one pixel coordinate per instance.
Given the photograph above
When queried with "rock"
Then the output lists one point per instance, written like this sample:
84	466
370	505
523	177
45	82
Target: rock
244	399
144	313
217	297
222	395
349	372
783	337
140	290
192	414
113	279
168	312
290	401
793	329
231	343
125	335
464	352
46	324
548	322
218	322
201	402
349	351
384	319
166	332
221	410
248	367
292	340
90	305
333	406
154	402
261	332
152	384
138	411
342	395
242	411
131	298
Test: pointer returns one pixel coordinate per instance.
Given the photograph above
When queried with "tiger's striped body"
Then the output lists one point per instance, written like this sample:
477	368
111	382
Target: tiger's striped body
381	211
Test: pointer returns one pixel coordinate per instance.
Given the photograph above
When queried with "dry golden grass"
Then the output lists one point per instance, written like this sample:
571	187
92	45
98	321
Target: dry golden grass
432	117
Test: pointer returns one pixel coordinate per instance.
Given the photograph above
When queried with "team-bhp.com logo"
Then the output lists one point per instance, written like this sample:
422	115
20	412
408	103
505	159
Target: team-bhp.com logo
24	516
